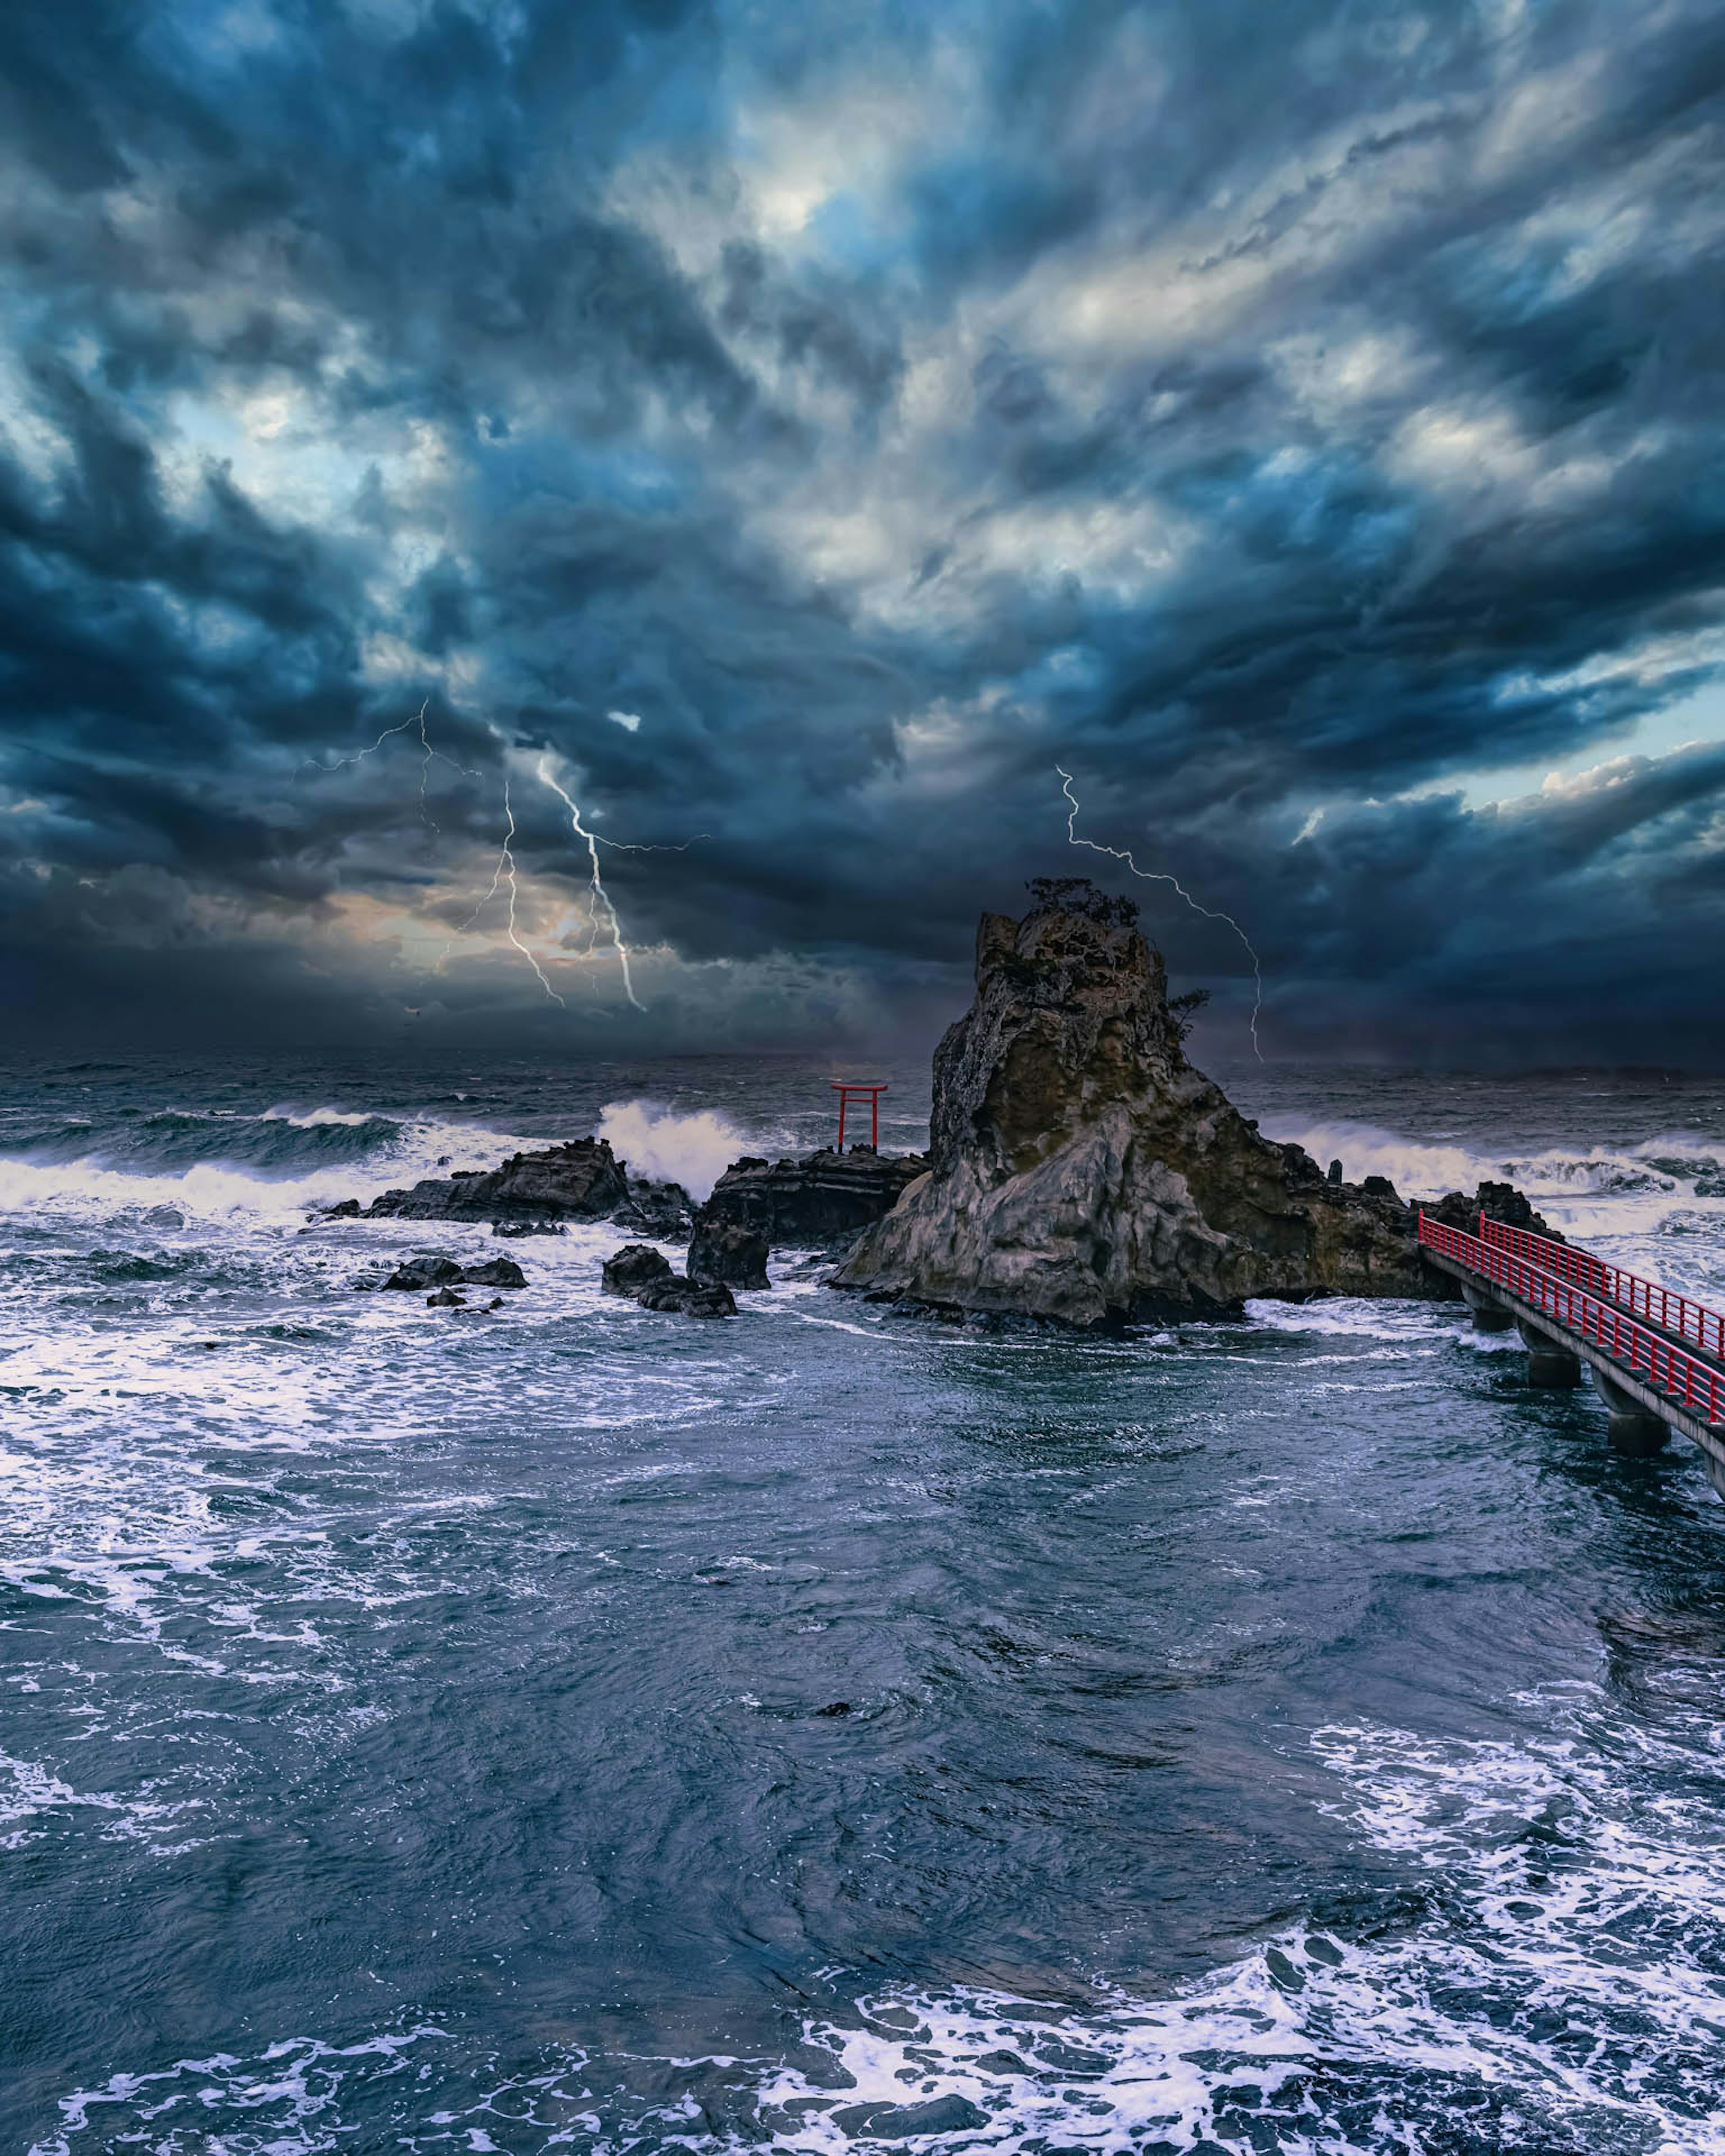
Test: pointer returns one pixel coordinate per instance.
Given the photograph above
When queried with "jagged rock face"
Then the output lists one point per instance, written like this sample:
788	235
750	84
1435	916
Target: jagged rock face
733	1250
1082	1170
1498	1201
580	1181
636	1265
823	1199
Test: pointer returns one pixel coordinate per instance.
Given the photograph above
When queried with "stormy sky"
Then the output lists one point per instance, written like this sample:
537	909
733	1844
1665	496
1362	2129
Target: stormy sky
794	431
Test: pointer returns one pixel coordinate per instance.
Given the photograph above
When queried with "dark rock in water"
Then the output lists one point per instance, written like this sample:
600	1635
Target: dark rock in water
1498	1201
346	1209
580	1181
731	1251
662	1210
639	1271
689	1298
415	1273
1082	1170
823	1200
636	1265
528	1228
834	1709
446	1299
164	1216
495	1272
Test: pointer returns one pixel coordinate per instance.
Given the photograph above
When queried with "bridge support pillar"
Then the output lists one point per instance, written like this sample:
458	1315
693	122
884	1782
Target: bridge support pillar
1634	1429
1716	1473
1489	1315
1549	1363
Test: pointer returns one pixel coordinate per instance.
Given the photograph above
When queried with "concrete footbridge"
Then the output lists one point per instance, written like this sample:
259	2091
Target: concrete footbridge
1657	1358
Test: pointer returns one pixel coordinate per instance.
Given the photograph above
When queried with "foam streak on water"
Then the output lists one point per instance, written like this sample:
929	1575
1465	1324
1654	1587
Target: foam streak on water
573	1727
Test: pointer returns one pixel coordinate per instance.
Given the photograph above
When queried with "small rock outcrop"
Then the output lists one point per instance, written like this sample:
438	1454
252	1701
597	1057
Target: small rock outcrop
636	1265
580	1181
413	1273
1498	1201
1080	1169
689	1298
824	1200
645	1275
664	1210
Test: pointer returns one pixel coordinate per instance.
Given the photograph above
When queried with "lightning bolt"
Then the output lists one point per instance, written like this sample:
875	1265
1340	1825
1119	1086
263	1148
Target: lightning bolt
603	916
601	910
1156	875
431	756
505	867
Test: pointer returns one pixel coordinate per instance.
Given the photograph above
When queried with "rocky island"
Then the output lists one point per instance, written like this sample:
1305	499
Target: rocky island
1080	1169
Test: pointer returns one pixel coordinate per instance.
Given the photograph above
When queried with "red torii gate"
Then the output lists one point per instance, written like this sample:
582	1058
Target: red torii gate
845	1088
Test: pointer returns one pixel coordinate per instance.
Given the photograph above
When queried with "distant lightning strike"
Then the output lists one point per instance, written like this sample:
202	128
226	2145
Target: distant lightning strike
1156	875
431	756
601	913
505	867
598	901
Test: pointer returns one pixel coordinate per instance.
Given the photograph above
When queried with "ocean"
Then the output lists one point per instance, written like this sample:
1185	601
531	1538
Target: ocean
576	1728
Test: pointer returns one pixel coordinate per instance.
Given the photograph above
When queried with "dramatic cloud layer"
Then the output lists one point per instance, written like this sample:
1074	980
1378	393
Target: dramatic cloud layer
797	431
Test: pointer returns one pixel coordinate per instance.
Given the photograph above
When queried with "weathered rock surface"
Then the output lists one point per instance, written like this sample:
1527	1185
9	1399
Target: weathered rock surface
823	1199
1081	1168
733	1250
636	1265
413	1274
1498	1201
690	1298
645	1274
664	1210
580	1181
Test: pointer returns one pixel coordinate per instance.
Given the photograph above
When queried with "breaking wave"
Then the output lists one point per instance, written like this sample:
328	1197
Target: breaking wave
1678	1166
276	1143
693	1150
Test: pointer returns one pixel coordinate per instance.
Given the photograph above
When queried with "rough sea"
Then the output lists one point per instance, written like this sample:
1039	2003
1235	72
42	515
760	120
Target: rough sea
576	1728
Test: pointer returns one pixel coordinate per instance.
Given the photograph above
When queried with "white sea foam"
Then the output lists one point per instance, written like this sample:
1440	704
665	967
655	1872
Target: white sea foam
694	1150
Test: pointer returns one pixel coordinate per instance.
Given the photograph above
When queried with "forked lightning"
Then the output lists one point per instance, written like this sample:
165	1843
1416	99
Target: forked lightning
1159	875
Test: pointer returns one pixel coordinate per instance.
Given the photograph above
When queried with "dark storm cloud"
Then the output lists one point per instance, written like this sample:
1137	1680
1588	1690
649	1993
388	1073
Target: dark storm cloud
807	432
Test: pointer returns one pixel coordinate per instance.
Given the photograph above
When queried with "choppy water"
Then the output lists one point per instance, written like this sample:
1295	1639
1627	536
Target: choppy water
421	1731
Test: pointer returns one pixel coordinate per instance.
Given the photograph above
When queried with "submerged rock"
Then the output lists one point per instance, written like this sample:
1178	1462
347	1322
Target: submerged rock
1081	1168
495	1272
514	1228
580	1181
446	1299
825	1198
690	1298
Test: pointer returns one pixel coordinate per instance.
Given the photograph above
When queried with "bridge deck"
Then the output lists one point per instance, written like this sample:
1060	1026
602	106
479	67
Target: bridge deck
1690	1323
1683	1387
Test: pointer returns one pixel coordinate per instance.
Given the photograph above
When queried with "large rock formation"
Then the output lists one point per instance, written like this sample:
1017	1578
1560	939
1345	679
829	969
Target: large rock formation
823	1200
580	1181
1082	1170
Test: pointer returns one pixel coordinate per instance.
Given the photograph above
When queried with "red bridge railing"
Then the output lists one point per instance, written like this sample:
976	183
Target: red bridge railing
1644	1298
1649	1355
